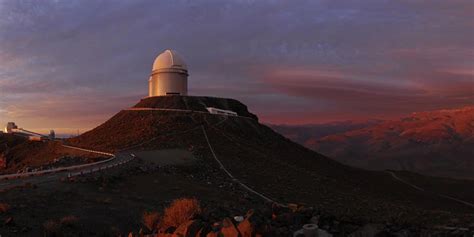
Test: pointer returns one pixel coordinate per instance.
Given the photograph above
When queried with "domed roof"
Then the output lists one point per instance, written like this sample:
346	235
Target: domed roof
169	59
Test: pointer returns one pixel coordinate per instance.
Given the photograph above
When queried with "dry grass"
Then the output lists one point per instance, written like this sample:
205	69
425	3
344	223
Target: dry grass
180	211
4	207
151	219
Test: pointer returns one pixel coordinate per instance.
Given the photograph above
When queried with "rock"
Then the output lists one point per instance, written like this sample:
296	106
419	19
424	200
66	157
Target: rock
188	229
161	235
239	218
228	229
310	230
212	234
246	228
203	231
368	230
299	233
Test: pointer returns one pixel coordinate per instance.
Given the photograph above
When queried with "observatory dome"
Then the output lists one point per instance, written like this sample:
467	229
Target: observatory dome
169	59
169	75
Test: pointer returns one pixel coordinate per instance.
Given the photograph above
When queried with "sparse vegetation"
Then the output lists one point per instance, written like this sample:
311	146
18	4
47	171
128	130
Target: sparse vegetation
180	211
151	219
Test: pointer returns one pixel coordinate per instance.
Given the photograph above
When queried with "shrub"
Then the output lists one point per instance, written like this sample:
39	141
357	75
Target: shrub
180	211
4	207
151	219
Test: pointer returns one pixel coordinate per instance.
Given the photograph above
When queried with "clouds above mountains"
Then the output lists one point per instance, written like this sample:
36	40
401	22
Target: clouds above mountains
75	63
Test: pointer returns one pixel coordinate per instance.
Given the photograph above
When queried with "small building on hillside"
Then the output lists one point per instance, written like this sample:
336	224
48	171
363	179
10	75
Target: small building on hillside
10	127
169	75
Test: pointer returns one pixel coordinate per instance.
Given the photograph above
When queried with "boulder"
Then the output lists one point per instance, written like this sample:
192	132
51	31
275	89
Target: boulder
228	229
188	229
246	228
212	234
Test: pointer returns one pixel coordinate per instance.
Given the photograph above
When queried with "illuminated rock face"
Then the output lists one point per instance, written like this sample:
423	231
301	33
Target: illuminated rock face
169	75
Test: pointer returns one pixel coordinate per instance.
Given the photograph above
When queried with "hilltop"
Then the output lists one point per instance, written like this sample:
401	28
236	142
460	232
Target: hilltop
267	161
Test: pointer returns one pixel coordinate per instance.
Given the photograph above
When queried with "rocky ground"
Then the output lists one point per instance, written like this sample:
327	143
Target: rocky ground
113	204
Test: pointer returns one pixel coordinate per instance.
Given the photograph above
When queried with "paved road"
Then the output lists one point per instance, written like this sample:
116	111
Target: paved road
120	158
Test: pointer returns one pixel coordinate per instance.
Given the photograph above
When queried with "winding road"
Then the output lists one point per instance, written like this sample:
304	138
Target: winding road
44	176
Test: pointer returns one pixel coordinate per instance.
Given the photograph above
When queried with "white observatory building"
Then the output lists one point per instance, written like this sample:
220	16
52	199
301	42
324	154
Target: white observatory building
169	75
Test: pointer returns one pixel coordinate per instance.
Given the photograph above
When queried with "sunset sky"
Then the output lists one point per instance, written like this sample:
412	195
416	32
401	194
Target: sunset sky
72	64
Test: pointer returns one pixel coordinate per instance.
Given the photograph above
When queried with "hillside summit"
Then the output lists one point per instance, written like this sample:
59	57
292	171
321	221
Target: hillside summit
268	162
195	103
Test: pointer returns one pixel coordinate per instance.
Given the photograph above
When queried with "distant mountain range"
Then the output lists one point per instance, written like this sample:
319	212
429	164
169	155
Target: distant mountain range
439	143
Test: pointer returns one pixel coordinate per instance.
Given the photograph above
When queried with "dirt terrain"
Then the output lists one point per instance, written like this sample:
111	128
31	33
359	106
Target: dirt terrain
167	157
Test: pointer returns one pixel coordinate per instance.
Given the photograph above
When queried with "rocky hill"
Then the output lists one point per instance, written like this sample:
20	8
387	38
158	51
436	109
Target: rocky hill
270	163
436	143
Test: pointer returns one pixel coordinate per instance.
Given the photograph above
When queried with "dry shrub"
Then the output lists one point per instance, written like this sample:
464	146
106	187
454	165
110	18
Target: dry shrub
180	211
4	207
69	220
151	219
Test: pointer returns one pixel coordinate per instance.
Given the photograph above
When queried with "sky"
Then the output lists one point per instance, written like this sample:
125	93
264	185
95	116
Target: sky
72	64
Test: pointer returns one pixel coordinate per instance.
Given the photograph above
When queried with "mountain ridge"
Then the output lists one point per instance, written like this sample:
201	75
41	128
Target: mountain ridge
435	142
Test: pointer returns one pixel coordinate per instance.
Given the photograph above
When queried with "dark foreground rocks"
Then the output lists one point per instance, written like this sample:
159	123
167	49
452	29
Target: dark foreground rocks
301	221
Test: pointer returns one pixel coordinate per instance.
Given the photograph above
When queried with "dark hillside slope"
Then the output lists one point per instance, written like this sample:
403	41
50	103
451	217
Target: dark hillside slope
277	167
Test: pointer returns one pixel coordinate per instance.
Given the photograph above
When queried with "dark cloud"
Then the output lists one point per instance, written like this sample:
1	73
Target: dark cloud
376	52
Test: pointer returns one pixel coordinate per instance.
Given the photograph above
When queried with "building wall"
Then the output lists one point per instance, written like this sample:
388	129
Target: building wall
163	83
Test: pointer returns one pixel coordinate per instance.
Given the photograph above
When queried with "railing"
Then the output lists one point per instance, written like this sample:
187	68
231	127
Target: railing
74	167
